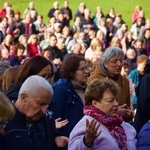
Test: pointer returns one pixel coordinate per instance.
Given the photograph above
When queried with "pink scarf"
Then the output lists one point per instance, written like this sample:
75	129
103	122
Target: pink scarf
112	123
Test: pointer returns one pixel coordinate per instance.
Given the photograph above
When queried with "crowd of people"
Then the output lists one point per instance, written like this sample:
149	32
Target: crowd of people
75	85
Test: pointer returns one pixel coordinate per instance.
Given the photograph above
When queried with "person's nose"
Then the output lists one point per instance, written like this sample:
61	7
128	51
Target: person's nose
116	103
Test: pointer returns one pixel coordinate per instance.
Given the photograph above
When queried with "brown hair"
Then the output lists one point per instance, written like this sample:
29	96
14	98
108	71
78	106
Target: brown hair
70	65
96	88
142	58
32	67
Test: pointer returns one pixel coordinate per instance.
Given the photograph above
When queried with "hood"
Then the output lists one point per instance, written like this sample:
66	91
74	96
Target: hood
102	71
13	91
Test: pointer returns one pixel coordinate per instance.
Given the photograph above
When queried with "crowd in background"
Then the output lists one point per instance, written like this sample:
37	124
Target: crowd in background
71	42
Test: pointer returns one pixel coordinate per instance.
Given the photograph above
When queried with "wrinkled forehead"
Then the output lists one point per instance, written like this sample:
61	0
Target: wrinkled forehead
114	57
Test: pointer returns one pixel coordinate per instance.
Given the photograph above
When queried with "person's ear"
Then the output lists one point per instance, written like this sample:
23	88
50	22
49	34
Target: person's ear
94	102
105	64
23	97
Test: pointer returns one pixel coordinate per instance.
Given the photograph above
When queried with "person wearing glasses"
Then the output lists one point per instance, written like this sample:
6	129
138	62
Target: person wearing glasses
102	127
7	111
110	68
68	98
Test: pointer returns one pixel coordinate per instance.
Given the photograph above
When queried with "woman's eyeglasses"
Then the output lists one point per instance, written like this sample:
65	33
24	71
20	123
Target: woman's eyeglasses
49	76
84	68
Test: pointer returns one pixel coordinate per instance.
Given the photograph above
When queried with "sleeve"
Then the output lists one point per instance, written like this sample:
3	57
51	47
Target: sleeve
76	138
143	95
133	76
59	101
1	142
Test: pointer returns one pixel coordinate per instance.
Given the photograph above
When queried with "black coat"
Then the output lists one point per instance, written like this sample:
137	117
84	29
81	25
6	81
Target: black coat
47	121
143	103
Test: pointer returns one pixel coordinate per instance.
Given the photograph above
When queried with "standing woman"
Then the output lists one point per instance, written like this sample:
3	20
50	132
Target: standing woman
102	127
6	47
68	98
33	48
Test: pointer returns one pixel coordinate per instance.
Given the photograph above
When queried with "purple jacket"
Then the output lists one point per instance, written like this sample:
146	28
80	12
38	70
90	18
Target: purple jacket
104	141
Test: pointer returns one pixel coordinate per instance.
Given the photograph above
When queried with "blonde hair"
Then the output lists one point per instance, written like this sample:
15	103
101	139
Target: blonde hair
65	28
7	110
115	42
21	37
31	38
9	77
94	43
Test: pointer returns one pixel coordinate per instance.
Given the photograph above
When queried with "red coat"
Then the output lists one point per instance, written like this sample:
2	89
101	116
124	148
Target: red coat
33	50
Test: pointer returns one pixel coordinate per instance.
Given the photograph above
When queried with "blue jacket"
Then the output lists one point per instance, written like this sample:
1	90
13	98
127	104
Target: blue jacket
134	76
13	91
47	121
67	105
143	142
20	136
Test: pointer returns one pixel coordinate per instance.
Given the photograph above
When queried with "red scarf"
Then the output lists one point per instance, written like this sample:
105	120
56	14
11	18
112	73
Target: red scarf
27	29
112	123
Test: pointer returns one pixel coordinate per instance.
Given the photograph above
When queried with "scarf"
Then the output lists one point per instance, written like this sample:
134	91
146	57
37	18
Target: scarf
79	89
113	124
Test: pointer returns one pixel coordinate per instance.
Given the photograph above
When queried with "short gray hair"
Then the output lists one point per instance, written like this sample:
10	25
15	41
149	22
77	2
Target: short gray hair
111	52
32	84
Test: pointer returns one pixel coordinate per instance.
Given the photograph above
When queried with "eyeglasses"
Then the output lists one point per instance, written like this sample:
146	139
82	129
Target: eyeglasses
48	76
83	68
2	124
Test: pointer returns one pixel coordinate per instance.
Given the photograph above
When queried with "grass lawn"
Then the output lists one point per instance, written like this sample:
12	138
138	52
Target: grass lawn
125	7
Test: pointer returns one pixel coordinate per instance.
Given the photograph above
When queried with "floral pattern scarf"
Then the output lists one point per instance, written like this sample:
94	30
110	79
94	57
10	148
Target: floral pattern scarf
112	123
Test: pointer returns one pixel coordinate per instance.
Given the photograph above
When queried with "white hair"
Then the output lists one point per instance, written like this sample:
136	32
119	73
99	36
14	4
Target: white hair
32	85
111	52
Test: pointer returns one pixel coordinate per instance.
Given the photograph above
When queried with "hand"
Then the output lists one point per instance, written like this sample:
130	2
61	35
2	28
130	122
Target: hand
91	131
61	141
127	112
17	30
59	124
124	110
57	61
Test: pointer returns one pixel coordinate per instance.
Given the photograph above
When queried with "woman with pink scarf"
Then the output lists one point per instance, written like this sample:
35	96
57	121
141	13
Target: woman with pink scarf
102	127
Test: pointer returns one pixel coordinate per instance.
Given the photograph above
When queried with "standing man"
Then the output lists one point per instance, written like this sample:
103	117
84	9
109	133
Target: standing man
110	68
24	132
66	11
